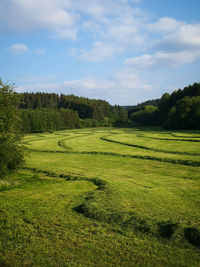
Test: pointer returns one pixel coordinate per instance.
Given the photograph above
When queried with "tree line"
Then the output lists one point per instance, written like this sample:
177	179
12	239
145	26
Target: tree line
178	110
44	112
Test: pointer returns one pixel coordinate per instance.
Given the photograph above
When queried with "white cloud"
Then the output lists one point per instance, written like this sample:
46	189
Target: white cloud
123	87
175	59
127	80
99	52
65	18
23	49
162	59
99	9
126	29
187	37
66	33
90	87
165	25
144	61
22	15
115	28
18	48
123	25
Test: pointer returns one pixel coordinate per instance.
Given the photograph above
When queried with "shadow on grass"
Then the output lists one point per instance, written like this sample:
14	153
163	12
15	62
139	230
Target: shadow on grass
192	235
167	229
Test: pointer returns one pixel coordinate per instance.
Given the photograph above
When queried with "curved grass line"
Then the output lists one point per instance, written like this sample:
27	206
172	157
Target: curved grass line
172	161
149	148
27	142
62	144
63	134
55	137
69	177
182	136
168	139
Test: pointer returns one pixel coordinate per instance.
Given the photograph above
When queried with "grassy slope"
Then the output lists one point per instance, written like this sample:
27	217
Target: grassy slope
72	208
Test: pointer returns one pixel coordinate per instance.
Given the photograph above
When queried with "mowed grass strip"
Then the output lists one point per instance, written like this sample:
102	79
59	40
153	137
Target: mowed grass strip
159	145
81	209
98	143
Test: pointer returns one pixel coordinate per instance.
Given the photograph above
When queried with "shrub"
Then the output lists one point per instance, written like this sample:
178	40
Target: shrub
11	152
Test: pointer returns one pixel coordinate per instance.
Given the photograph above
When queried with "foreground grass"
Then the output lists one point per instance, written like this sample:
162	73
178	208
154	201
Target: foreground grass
72	208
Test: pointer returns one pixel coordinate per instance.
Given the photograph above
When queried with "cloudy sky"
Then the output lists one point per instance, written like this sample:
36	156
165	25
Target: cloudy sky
123	51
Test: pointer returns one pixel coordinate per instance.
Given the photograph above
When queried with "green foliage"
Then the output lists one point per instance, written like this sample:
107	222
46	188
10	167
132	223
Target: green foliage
119	116
43	112
146	116
86	108
185	114
141	106
44	120
180	110
11	152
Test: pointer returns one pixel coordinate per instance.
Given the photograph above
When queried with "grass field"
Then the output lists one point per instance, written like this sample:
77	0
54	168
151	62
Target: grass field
104	197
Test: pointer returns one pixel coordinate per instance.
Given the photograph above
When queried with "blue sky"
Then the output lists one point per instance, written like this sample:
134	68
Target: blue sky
123	51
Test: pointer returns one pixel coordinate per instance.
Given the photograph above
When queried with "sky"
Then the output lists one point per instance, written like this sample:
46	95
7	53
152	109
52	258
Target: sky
121	51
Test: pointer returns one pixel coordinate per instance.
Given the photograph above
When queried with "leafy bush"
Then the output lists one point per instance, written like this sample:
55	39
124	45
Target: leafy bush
11	152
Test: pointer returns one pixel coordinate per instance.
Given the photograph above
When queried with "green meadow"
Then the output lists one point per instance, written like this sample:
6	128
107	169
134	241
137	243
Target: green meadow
103	197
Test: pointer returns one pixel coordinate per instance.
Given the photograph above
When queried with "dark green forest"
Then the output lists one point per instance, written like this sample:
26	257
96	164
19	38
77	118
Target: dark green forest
42	112
179	110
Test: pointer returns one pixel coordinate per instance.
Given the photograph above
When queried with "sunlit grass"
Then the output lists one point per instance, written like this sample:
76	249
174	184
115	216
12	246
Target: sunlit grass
70	208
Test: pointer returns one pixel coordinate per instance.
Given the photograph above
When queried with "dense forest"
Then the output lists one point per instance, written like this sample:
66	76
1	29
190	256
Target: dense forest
179	110
45	112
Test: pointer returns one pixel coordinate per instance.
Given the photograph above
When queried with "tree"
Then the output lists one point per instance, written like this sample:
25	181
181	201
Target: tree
185	114
11	152
147	116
